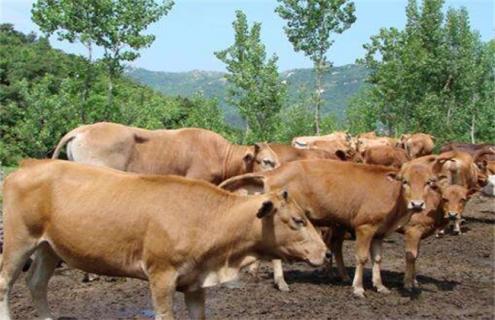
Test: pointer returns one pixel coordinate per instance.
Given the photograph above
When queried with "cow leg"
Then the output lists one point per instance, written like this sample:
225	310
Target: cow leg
163	286
457	226
376	260
41	271
253	268
278	275
336	247
195	302
364	235
412	240
15	256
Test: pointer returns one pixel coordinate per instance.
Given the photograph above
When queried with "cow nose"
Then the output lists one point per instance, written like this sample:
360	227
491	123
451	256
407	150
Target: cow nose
417	205
452	215
328	255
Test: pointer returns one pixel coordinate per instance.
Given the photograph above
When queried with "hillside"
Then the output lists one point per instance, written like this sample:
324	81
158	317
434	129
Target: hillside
339	84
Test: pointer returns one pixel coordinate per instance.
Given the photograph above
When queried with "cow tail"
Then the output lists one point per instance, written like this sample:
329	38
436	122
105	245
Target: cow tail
65	139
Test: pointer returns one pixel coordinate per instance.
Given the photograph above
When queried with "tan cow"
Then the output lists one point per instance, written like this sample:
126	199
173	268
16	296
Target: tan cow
189	152
385	156
417	145
302	142
179	234
364	144
286	153
447	204
367	199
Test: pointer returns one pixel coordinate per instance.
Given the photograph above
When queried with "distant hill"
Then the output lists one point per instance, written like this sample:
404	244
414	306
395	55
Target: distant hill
339	85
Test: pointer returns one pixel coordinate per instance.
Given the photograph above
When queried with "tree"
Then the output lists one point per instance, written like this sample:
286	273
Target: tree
115	25
434	76
255	87
309	26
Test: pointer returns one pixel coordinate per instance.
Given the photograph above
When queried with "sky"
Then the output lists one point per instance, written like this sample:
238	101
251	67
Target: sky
194	29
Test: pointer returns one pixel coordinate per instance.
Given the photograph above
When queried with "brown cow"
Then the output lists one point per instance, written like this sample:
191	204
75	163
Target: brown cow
386	156
179	234
417	145
367	135
367	199
189	152
471	148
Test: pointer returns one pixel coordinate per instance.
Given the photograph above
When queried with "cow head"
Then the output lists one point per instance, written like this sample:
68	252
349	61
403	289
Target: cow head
417	180
454	198
287	232
260	157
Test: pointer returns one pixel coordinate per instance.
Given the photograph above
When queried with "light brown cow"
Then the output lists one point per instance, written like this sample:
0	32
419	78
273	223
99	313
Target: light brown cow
302	142
443	202
367	199
386	156
417	145
177	233
364	144
286	153
189	152
367	135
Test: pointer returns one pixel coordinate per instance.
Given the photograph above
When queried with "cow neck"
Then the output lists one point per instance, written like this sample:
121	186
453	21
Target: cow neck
233	163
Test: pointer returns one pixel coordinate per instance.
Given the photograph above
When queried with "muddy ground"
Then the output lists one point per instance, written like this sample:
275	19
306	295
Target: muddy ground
456	276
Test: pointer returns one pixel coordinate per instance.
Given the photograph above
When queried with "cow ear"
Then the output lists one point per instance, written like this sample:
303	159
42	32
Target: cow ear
341	155
265	210
284	194
257	147
248	158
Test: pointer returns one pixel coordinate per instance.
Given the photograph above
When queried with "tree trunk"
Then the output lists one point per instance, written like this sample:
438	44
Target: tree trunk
87	83
318	99
473	123
110	95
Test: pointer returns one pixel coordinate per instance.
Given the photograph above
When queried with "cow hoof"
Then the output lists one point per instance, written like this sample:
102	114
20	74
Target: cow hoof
382	289
90	277
283	286
359	292
345	278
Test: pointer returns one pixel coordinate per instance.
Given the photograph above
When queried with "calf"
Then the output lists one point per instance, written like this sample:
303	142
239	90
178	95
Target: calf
373	201
189	152
302	142
179	234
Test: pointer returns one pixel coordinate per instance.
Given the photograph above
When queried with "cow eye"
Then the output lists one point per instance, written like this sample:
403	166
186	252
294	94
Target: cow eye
405	182
298	221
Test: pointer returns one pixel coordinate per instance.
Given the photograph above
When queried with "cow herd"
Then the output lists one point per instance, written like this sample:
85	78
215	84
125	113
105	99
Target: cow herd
192	209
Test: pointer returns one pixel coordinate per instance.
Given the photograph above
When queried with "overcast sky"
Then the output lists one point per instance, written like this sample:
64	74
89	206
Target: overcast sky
194	29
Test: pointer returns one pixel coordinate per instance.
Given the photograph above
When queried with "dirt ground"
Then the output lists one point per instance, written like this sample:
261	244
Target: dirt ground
456	276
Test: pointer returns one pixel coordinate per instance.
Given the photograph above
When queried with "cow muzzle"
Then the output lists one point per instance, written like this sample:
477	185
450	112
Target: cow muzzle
452	215
416	205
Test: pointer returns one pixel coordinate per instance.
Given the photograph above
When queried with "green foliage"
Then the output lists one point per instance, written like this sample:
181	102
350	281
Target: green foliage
435	76
309	26
40	99
115	26
255	87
